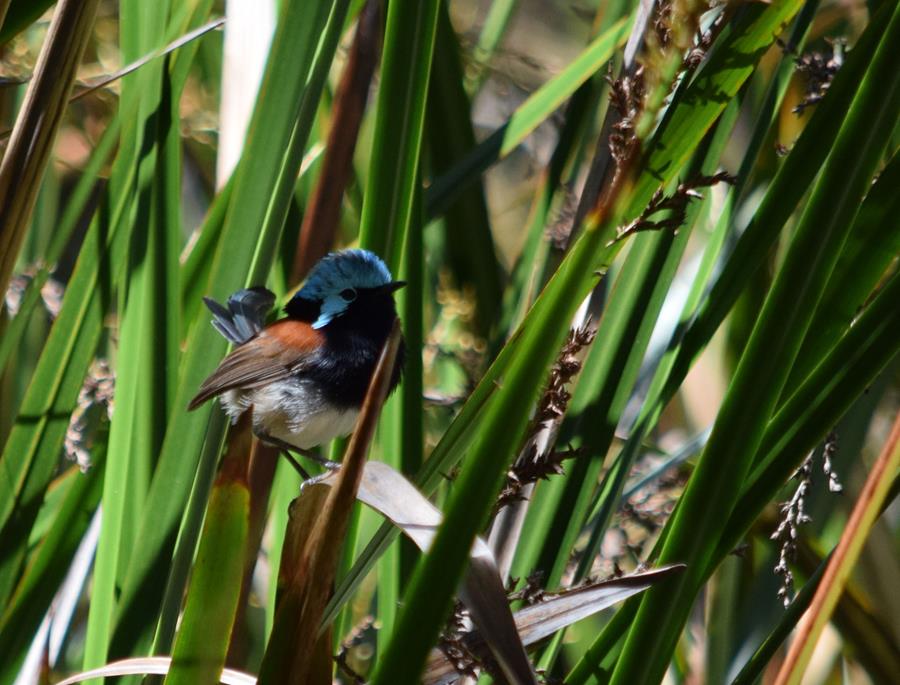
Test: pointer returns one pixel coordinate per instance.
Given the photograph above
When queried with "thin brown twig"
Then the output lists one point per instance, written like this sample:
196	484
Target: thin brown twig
533	466
819	68
675	205
865	511
626	96
356	637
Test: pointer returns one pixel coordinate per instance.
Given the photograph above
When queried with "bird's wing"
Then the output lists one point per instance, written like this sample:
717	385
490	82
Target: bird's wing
245	315
277	352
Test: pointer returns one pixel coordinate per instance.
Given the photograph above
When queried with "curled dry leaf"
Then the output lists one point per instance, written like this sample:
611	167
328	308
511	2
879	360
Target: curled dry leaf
497	634
151	665
541	620
482	591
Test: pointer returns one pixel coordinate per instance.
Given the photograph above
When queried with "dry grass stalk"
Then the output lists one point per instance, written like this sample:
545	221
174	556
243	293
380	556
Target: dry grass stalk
35	129
535	464
675	205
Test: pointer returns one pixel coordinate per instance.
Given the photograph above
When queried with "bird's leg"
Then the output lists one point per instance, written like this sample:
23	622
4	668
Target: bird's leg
307	479
289	448
296	464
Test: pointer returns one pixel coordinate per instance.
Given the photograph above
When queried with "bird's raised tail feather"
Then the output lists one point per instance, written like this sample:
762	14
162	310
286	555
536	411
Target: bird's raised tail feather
244	316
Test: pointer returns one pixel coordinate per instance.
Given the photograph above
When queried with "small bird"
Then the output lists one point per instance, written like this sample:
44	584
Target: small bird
305	376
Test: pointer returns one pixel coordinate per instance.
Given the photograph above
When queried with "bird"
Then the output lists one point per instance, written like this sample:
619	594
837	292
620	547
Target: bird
305	375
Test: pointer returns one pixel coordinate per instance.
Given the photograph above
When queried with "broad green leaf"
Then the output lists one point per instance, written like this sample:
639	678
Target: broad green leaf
469	243
611	370
810	412
387	217
871	248
542	332
198	655
785	191
147	329
32	450
87	184
402	94
800	424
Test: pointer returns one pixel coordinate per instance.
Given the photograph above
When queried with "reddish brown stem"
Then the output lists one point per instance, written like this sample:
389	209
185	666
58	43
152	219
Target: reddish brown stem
322	215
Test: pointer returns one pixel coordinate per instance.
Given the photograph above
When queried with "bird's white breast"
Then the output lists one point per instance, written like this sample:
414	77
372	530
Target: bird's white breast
292	410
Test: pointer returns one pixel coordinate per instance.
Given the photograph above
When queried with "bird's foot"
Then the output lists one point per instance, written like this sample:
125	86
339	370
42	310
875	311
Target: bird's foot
308	482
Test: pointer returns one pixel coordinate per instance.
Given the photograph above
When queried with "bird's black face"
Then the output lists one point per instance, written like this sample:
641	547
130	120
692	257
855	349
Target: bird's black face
370	312
366	311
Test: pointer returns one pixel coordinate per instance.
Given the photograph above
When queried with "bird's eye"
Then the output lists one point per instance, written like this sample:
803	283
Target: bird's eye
349	294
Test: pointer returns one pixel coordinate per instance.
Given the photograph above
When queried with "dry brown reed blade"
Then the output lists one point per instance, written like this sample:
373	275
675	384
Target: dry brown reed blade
298	650
34	133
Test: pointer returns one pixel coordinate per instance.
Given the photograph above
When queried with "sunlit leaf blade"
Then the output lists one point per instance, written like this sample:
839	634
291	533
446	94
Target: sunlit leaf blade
870	250
534	111
391	188
552	94
846	372
215	588
145	59
32	450
142	392
88	183
849	367
426	600
495	24
33	595
103	325
786	189
406	66
611	370
469	242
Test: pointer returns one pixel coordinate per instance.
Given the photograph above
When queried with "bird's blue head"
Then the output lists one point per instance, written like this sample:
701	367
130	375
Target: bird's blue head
338	280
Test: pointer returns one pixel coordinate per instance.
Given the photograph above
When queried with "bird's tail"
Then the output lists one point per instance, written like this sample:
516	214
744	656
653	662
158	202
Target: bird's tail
245	314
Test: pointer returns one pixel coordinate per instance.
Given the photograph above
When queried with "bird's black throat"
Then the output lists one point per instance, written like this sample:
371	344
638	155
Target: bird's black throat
353	343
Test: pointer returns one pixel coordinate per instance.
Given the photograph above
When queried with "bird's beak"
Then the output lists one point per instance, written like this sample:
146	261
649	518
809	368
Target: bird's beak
394	286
